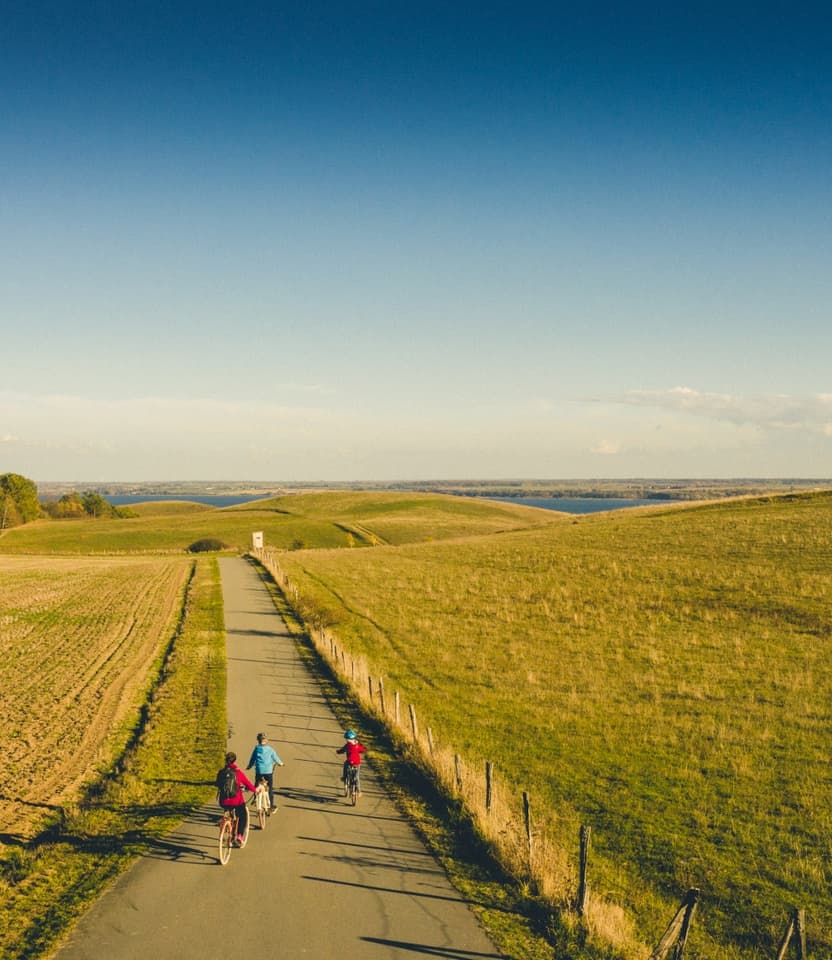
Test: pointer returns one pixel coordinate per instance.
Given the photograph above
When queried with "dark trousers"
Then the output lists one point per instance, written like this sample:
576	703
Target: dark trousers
357	768
241	809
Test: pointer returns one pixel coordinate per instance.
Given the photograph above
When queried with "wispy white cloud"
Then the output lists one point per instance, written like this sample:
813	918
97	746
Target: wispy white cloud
606	448
765	411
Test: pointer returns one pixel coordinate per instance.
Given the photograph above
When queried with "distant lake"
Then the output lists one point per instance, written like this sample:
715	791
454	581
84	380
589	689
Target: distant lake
224	500
579	504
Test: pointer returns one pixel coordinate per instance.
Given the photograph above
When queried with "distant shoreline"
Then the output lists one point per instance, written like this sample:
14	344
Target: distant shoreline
651	490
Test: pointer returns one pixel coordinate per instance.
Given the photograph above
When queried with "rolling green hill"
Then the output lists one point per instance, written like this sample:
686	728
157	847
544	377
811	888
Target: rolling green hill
291	522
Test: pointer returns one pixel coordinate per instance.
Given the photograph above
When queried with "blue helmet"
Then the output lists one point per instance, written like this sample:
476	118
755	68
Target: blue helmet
350	735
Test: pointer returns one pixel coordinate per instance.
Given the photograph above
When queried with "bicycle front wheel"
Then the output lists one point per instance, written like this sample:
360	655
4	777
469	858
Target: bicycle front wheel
244	841
226	840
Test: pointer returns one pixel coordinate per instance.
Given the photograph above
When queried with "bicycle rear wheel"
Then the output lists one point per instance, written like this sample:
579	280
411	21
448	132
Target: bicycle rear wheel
353	787
226	840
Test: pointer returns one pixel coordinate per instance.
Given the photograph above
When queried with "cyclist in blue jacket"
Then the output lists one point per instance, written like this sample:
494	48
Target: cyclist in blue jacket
264	760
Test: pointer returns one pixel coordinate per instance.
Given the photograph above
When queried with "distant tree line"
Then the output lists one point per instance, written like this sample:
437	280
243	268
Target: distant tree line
74	506
19	504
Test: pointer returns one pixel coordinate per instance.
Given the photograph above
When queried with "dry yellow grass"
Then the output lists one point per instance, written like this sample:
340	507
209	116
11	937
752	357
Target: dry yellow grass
79	638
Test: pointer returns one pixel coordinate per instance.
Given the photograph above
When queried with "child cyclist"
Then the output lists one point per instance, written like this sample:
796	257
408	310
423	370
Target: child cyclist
264	760
353	748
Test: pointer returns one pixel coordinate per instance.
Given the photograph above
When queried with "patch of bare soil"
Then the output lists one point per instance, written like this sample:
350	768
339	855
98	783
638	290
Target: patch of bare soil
78	641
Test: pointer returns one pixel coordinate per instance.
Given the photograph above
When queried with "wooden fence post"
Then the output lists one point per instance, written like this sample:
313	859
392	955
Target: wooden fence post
583	887
795	931
677	932
527	820
413	725
489	774
458	773
430	741
381	695
370	687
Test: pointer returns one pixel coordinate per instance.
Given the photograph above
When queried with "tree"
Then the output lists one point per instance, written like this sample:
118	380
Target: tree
18	500
68	507
95	505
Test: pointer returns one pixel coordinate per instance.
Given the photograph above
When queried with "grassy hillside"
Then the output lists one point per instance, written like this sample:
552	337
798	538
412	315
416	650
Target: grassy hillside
396	518
306	520
664	676
167	508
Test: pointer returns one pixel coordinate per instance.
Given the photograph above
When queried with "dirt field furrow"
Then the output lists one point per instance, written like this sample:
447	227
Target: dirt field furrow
78	641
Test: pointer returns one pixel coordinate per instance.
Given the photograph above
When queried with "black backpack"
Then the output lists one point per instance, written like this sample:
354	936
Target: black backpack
227	785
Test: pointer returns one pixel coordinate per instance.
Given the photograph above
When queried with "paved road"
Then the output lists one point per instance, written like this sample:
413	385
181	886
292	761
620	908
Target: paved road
323	880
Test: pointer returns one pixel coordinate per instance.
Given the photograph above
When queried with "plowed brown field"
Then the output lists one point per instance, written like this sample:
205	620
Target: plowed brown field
78	638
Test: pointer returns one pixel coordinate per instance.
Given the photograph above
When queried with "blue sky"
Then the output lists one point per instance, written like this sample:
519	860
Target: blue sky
408	241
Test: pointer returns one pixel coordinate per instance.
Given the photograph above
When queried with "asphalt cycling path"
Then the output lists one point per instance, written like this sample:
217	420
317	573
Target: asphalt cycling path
323	880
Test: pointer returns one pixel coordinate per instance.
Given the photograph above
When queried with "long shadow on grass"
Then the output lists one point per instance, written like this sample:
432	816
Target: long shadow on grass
140	841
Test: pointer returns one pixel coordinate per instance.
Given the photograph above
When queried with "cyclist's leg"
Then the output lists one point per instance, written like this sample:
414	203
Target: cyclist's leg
242	818
269	778
358	778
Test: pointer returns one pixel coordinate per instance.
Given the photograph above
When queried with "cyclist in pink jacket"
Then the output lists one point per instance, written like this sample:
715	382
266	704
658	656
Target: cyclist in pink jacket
229	797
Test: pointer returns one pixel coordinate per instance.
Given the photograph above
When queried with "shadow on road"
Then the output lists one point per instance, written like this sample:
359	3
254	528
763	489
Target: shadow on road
378	889
370	846
449	953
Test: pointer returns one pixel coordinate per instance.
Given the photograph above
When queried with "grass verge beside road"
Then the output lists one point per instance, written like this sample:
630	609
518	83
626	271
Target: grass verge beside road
47	882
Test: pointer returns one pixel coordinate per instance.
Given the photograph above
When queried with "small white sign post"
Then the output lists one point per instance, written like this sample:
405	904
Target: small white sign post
257	540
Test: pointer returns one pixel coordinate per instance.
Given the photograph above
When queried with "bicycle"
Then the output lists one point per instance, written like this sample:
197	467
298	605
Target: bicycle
228	834
261	803
351	787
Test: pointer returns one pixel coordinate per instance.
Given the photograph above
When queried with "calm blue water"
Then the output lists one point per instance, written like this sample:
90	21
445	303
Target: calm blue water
225	500
564	504
578	504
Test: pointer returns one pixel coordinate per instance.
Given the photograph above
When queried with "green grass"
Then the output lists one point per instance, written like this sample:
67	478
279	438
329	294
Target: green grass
662	675
171	533
286	522
396	518
168	508
46	884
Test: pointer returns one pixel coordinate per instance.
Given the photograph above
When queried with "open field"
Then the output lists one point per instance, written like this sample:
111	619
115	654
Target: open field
116	684
662	675
80	638
303	520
